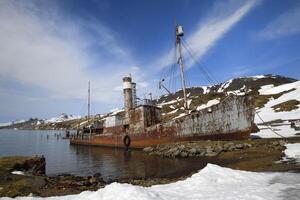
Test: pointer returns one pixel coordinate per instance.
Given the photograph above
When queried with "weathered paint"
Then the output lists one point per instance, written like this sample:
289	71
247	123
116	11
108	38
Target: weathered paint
229	120
232	115
127	90
114	120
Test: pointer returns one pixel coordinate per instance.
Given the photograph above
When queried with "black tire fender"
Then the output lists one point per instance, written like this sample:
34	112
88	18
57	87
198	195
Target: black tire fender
126	141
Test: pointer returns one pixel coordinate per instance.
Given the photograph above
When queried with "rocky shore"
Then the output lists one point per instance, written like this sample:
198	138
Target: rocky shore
257	155
208	148
25	176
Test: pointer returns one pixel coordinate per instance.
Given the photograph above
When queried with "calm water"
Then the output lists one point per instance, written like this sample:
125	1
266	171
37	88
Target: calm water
61	157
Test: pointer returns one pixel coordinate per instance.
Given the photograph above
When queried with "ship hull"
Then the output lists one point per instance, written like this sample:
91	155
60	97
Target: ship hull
232	119
143	141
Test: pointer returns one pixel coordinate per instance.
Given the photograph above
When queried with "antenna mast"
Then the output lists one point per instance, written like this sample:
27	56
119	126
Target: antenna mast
89	100
179	34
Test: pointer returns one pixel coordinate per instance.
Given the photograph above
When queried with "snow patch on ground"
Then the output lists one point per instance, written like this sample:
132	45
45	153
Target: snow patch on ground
180	115
268	90
17	172
268	113
212	182
224	86
61	118
265	88
283	129
257	77
236	92
292	151
115	111
206	89
173	111
170	102
172	107
208	104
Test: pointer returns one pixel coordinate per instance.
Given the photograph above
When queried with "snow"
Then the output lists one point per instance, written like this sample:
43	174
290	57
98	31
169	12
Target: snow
268	90
208	104
170	102
173	111
224	86
17	172
236	92
265	88
61	118
258	76
212	182
172	107
180	115
11	123
282	129
84	122
189	101
206	89
116	111
292	151
268	113
5	124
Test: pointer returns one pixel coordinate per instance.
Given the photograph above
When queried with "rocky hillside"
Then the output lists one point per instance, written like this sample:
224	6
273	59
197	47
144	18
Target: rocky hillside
275	98
256	86
60	122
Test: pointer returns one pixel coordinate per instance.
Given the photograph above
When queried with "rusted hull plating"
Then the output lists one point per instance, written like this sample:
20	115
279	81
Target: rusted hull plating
146	140
231	119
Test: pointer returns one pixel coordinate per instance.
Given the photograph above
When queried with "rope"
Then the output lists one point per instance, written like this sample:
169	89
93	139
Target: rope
268	126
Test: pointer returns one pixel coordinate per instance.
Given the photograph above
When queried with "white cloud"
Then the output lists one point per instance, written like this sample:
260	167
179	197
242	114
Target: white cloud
220	20
46	50
288	23
41	48
209	32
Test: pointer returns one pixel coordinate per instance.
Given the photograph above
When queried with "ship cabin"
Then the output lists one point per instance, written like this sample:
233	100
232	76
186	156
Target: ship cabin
135	117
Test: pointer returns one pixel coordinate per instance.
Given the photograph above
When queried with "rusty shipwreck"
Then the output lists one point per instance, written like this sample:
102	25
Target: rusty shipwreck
141	125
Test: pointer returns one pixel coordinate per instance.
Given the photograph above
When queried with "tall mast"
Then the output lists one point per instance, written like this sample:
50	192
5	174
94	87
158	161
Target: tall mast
179	34
89	100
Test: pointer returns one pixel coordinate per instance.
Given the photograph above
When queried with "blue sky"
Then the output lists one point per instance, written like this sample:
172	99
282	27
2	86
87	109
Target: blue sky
51	49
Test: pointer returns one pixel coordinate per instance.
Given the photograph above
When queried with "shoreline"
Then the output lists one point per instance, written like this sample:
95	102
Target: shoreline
262	155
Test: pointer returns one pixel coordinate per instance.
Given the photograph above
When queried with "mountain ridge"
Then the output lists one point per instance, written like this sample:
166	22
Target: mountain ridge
199	97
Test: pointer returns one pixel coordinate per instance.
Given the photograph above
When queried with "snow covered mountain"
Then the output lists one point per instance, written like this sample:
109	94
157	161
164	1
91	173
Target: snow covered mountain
61	118
34	123
276	99
263	88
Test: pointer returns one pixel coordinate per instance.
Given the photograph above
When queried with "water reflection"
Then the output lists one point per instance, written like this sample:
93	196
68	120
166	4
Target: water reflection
116	163
112	163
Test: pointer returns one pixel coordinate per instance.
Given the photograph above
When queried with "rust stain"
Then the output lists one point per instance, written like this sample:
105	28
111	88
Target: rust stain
230	120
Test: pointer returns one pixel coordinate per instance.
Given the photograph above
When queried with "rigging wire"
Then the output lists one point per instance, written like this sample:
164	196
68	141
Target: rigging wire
264	123
268	125
211	78
205	71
